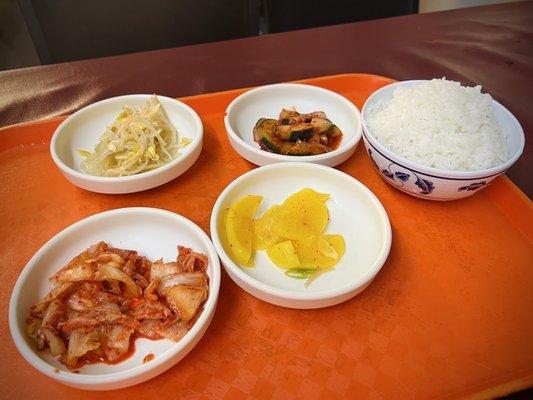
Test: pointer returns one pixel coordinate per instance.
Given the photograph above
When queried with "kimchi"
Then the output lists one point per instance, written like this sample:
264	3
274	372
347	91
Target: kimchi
106	297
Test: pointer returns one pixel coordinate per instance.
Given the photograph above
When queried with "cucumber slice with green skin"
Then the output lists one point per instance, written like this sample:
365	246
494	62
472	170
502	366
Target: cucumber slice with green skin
334	131
264	134
283	132
296	132
300	273
302	134
269	145
314	114
321	125
301	131
288	114
264	128
257	131
302	148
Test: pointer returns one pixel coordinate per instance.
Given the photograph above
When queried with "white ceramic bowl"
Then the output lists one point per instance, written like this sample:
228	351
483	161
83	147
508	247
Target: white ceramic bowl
267	102
153	233
432	183
83	129
354	212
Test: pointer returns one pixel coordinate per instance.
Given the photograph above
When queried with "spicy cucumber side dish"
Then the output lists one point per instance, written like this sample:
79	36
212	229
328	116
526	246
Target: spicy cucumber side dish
296	134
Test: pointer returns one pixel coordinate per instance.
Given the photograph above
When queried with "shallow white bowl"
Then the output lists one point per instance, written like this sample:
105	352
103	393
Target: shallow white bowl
433	183
153	233
355	212
267	102
83	129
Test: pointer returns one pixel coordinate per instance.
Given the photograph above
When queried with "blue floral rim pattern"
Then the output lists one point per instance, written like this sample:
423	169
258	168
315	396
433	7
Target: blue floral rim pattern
425	174
426	186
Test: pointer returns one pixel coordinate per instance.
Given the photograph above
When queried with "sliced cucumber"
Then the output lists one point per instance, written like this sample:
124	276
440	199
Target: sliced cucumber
264	134
286	114
283	132
303	134
321	125
264	126
260	121
334	131
292	136
302	148
301	131
269	145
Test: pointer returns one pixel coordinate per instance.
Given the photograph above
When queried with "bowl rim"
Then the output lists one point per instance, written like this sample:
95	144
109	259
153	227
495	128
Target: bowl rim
299	295
68	377
344	146
431	171
195	143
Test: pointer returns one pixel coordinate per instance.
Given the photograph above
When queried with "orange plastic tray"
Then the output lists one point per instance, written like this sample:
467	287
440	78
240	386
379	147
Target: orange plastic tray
450	315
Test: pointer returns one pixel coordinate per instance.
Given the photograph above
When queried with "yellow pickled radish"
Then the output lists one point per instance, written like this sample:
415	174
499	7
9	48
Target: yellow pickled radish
238	221
251	261
291	233
320	252
239	233
302	217
284	255
323	196
306	194
264	235
247	206
326	249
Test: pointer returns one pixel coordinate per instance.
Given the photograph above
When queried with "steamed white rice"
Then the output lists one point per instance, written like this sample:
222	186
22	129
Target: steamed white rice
441	124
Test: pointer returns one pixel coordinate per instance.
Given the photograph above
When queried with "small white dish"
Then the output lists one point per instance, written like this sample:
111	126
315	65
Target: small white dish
267	101
82	131
153	233
355	212
433	183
